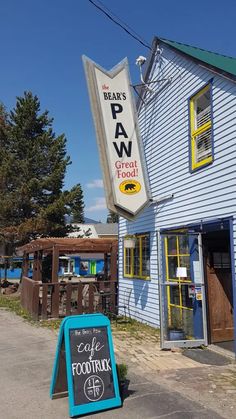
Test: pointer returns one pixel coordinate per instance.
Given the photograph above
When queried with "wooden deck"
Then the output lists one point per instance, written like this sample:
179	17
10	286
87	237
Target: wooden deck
59	299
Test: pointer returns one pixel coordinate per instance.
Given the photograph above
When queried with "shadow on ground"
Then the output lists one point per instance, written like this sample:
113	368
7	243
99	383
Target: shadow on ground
206	356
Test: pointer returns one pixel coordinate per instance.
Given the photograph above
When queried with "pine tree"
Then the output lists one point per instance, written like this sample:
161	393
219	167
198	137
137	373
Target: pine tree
112	217
33	166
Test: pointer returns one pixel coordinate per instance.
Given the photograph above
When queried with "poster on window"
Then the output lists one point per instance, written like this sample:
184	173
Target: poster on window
84	265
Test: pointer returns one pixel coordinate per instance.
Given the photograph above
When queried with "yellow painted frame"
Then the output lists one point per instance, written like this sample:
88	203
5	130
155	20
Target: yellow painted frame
195	132
126	274
178	280
131	275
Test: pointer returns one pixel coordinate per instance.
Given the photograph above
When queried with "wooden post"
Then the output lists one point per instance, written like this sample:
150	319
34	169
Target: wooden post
35	265
55	300
25	265
91	298
80	298
35	302
55	264
68	299
44	312
105	266
39	265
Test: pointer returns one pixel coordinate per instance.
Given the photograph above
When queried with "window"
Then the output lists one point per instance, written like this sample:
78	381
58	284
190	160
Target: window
177	259
201	128
68	265
137	258
221	260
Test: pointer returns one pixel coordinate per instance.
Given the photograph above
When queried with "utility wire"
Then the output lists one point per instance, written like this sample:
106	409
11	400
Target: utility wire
122	22
122	25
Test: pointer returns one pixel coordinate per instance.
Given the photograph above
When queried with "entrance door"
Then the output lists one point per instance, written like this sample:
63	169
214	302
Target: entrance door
183	320
219	286
93	267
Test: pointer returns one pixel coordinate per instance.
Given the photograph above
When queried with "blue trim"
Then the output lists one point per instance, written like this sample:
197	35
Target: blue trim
56	360
217	222
198	327
210	82
233	276
164	303
196	224
79	322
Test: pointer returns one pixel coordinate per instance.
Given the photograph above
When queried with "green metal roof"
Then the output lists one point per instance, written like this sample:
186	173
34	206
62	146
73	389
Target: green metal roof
221	62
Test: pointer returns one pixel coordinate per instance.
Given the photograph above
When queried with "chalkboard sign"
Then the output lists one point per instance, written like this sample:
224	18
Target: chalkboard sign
89	362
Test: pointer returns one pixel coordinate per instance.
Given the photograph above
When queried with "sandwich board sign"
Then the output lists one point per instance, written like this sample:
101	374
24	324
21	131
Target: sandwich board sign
84	365
119	142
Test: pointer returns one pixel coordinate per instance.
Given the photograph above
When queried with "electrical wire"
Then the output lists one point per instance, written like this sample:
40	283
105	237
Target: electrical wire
122	25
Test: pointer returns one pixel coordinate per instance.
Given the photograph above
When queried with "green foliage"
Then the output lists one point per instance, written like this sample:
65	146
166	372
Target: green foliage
122	370
112	217
51	324
33	166
13	304
130	328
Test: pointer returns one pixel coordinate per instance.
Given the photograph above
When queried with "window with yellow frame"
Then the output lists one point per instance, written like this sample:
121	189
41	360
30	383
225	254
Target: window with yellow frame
179	303
137	258
201	128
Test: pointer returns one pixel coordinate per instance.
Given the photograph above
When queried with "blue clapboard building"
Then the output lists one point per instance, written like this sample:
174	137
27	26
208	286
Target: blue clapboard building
177	259
80	265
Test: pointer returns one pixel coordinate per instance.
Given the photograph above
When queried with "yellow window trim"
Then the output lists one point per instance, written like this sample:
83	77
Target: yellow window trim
128	275
198	131
182	307
201	92
131	275
178	281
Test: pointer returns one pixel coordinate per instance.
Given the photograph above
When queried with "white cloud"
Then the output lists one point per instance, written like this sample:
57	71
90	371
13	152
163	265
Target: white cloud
100	204
96	183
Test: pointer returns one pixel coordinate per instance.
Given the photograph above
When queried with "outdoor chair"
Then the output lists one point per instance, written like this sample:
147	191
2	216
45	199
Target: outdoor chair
96	298
125	308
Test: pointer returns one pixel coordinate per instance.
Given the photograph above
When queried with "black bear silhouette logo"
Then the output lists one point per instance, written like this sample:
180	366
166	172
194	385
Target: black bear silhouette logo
130	187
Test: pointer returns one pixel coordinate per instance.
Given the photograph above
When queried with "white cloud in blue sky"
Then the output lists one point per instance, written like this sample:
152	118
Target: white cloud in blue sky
96	183
99	204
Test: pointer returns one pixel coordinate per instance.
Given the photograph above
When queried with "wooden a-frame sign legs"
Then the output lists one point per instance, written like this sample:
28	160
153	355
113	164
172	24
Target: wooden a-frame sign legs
84	366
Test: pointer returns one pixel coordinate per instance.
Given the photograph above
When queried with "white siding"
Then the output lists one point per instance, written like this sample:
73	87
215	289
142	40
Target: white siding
209	193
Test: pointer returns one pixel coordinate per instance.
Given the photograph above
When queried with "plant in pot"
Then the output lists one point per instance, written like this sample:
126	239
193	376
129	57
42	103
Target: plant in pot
176	328
122	371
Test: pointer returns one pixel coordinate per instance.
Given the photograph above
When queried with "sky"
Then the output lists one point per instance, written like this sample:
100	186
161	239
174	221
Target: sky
42	43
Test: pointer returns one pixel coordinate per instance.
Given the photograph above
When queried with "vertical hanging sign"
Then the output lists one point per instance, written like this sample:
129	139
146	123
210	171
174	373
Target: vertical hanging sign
118	138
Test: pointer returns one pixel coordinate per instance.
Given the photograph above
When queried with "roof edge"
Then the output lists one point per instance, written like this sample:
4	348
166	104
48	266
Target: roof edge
213	68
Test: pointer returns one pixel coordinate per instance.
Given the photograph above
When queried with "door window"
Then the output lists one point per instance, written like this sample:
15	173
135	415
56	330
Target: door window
182	291
179	305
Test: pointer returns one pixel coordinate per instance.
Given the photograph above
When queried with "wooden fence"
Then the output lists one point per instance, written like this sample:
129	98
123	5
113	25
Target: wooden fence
56	300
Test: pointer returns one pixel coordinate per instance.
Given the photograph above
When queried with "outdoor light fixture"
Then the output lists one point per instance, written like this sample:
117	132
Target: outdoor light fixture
129	242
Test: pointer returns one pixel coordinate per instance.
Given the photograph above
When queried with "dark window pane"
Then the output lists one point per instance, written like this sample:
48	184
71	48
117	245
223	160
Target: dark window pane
186	301
172	266
183	245
171	245
137	259
145	256
128	261
174	295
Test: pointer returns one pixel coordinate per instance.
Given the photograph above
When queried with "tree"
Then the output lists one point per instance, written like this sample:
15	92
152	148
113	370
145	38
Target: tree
112	217
33	166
